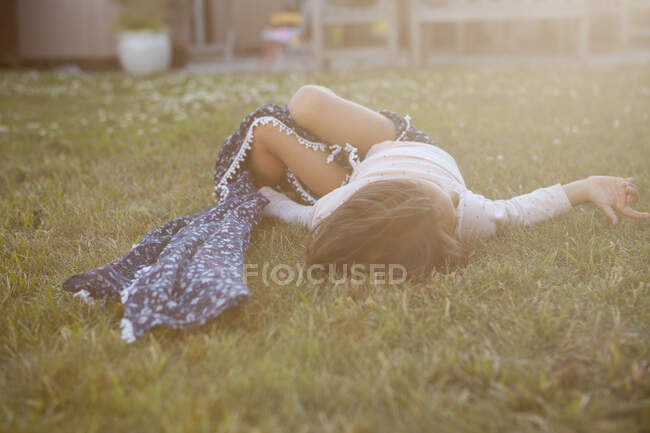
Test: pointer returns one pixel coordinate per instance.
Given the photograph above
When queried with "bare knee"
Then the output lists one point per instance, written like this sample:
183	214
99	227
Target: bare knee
263	137
307	102
269	138
265	164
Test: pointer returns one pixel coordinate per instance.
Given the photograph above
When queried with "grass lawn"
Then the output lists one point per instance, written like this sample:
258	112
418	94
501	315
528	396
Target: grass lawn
546	330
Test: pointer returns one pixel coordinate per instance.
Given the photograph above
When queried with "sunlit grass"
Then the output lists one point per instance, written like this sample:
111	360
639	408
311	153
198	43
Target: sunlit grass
545	330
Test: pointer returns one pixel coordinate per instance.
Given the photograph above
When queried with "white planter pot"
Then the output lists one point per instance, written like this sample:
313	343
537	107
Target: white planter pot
144	51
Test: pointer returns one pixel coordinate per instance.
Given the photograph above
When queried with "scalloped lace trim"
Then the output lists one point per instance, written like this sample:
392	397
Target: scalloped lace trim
335	149
353	155
303	193
408	125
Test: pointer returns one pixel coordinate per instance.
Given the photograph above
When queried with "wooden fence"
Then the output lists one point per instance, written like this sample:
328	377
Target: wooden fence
79	29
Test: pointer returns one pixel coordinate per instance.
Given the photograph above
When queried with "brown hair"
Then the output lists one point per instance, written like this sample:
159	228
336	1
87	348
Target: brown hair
386	222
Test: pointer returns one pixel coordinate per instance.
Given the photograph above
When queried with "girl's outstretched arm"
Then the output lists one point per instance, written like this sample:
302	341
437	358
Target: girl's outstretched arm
610	194
481	217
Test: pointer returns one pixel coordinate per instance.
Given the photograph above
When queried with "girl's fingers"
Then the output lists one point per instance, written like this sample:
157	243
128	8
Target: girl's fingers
632	194
629	195
610	213
628	211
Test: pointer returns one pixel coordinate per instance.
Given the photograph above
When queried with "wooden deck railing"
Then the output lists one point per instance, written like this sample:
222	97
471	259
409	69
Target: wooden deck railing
325	14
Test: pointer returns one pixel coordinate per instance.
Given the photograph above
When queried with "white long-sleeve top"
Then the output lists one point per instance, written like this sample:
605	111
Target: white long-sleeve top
478	217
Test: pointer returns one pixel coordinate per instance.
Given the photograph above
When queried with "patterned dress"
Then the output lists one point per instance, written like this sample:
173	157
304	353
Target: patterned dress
191	269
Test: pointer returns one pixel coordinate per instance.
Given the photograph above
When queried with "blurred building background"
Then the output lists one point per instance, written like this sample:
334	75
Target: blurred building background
50	32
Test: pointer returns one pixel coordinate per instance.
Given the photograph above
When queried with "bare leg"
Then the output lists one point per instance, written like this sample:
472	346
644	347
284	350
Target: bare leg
273	151
338	120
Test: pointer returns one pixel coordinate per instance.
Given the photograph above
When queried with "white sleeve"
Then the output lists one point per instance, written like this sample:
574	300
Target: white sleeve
481	217
283	207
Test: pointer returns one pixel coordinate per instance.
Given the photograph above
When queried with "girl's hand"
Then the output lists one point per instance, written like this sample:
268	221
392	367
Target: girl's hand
611	194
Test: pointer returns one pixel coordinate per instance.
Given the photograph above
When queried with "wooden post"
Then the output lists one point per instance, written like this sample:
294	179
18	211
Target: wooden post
460	37
393	30
199	23
317	28
230	44
625	23
584	34
414	31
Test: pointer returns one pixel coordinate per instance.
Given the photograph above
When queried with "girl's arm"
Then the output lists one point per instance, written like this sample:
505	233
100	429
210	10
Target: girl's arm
481	217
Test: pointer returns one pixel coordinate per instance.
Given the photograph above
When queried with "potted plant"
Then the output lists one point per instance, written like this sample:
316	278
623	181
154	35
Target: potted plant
144	44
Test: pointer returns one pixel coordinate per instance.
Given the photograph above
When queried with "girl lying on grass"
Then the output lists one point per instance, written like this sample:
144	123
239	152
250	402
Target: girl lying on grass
401	199
391	198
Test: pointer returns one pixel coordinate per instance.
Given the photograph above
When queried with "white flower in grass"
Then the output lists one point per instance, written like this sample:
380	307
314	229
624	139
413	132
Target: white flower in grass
557	141
616	124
